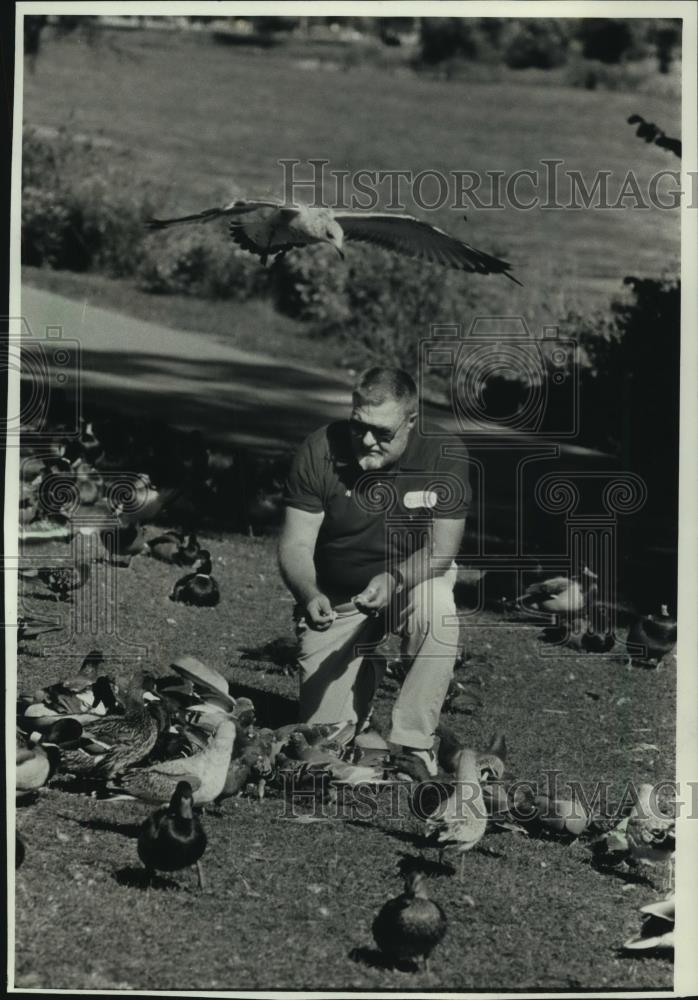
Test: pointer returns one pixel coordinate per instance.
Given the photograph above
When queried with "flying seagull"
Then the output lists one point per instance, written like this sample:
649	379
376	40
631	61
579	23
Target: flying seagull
270	229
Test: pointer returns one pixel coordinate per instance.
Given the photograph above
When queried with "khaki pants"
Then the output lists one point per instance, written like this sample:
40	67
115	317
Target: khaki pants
339	672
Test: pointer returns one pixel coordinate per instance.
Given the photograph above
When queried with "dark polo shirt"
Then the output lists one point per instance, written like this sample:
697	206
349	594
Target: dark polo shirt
374	520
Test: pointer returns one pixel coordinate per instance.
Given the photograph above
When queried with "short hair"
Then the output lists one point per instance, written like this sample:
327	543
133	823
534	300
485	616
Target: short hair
376	385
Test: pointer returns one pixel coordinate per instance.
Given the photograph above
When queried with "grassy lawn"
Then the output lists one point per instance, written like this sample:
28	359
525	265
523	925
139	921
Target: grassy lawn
287	904
206	122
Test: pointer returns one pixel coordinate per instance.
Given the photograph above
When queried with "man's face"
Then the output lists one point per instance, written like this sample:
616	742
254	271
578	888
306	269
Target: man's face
379	434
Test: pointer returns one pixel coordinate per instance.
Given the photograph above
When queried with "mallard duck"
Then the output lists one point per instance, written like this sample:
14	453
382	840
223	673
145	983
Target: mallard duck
206	772
658	925
560	594
199	588
461	821
32	626
90	444
411	925
88	482
123	539
172	837
28	504
62	581
115	743
165	547
189	551
35	764
655	635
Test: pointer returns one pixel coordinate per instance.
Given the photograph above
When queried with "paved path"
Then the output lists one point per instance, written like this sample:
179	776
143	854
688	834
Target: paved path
198	380
190	380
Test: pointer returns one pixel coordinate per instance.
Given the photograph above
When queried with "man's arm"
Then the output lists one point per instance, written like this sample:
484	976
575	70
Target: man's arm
424	564
297	564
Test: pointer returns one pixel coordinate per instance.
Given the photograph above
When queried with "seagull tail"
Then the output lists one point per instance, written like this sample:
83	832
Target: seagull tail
206	216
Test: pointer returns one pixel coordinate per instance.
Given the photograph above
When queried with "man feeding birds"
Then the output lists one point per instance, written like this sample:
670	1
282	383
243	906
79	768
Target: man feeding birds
268	229
375	514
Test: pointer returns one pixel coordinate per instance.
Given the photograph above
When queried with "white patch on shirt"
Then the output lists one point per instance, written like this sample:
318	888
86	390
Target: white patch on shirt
420	498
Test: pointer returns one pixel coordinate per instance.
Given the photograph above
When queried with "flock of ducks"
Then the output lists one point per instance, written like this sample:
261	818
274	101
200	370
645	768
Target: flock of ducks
180	743
583	623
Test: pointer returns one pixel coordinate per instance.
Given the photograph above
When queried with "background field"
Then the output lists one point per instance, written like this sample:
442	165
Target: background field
206	123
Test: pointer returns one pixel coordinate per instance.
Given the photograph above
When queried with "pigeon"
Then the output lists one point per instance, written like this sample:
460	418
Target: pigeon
460	822
267	228
411	925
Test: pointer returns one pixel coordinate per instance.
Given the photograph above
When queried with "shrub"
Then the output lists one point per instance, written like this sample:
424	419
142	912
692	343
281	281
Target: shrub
80	209
199	261
391	304
311	285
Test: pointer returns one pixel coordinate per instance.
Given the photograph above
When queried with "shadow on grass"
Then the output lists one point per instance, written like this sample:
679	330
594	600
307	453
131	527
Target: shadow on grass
139	878
377	960
418	863
130	830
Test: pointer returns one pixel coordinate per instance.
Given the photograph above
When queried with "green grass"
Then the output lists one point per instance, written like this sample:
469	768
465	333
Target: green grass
287	904
206	122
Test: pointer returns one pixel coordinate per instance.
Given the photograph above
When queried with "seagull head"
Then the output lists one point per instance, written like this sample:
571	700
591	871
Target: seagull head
324	227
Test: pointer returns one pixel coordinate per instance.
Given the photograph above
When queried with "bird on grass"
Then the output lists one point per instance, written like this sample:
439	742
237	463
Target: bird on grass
62	581
650	833
408	927
172	837
32	626
115	743
253	767
123	539
269	229
657	931
206	772
198	588
560	594
35	764
655	635
460	822
172	548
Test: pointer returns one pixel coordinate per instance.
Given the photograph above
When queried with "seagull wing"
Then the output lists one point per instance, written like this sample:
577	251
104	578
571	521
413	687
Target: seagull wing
237	208
414	238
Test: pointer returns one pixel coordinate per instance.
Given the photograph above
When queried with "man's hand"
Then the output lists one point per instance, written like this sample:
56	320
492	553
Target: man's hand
319	614
377	595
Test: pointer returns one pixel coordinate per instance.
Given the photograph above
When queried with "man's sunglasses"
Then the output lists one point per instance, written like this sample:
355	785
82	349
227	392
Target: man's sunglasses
382	434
